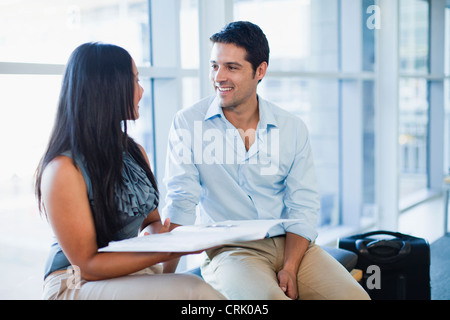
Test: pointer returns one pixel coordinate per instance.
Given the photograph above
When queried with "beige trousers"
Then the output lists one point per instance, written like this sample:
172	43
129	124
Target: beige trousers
148	284
248	271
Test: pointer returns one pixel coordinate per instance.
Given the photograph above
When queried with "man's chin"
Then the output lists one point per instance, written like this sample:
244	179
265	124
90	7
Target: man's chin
224	104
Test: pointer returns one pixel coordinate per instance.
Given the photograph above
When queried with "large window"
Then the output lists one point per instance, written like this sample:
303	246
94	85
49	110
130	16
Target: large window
423	66
413	96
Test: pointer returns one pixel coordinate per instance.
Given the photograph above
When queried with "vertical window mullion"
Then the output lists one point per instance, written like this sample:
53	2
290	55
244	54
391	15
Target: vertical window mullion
436	122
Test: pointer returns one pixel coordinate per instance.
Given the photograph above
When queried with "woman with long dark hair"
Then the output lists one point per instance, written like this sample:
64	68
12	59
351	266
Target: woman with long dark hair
95	185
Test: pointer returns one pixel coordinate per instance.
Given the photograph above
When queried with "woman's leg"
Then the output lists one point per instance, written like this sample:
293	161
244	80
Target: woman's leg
142	286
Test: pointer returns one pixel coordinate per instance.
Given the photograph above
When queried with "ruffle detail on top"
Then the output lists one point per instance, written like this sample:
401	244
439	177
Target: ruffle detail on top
136	195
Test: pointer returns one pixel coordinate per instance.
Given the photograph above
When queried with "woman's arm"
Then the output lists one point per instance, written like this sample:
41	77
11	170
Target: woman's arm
68	210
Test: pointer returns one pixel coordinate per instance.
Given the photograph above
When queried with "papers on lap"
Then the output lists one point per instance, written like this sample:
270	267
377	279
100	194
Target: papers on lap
197	237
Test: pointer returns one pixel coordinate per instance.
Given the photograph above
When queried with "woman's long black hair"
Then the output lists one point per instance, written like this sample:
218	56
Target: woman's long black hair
95	100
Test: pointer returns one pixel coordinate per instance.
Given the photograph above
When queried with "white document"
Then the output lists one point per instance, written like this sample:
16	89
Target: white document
197	237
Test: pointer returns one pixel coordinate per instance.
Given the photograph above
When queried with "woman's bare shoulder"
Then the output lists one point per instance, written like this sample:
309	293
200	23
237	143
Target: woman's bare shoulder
62	172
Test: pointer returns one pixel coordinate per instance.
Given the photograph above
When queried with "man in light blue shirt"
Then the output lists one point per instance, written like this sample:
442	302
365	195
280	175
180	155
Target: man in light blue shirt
236	156
210	166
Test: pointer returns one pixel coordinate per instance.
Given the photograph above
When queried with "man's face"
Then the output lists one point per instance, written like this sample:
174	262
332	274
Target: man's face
232	75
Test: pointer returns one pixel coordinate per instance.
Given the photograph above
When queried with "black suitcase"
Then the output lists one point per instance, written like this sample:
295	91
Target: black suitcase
395	266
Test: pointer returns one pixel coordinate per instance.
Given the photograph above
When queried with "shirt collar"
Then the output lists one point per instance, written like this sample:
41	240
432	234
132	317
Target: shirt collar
214	110
266	116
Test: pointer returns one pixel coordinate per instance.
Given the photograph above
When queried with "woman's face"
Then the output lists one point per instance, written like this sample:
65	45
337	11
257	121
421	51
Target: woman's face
138	90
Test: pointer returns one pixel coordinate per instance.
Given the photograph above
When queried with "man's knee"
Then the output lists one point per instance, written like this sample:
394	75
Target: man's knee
354	292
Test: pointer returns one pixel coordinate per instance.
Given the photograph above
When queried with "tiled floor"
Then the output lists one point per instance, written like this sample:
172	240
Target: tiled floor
25	239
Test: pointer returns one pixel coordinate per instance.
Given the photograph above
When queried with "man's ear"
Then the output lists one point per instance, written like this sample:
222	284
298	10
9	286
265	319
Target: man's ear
261	71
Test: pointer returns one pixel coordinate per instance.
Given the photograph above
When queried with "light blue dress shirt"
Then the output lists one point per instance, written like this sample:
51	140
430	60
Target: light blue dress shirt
209	167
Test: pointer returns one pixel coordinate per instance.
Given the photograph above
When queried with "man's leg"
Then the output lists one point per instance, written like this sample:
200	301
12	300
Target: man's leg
250	272
322	277
245	272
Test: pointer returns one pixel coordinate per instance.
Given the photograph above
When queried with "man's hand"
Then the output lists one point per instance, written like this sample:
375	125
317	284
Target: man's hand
294	251
288	283
165	227
162	227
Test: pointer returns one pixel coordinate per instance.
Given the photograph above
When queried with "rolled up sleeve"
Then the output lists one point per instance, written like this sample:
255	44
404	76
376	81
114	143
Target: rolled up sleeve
302	198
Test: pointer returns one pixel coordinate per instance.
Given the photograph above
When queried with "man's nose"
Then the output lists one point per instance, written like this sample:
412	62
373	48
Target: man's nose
220	75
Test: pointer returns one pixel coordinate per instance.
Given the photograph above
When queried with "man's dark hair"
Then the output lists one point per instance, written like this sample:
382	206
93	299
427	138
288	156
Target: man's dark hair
246	35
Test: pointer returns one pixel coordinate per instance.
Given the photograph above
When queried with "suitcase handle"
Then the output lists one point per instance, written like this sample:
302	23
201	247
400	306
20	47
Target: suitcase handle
389	233
365	247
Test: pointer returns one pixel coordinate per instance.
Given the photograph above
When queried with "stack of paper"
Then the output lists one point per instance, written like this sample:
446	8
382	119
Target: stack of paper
196	237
